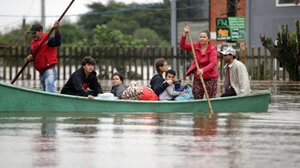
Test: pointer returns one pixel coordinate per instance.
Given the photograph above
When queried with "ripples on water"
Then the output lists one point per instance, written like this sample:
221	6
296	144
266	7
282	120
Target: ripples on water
161	140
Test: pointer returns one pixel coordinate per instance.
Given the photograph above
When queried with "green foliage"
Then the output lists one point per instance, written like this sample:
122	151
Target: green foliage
151	36
71	34
287	49
103	36
125	28
128	18
16	37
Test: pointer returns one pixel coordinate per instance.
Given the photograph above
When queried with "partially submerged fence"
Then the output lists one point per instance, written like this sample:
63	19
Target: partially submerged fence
134	63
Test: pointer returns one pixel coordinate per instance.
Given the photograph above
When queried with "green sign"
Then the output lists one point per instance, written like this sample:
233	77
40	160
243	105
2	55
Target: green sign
223	31
237	28
231	28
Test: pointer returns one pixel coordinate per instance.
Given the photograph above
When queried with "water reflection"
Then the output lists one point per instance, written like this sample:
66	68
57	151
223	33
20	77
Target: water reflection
45	144
84	126
48	128
204	125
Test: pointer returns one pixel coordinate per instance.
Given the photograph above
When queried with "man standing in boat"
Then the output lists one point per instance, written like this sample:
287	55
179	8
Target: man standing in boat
45	59
84	81
236	75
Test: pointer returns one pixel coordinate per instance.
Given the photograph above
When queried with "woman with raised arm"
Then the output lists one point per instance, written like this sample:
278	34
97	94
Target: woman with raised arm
206	55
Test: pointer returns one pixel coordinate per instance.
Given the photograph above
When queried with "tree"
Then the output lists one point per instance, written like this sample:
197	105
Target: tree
104	36
16	37
128	28
116	16
287	49
151	36
128	18
71	34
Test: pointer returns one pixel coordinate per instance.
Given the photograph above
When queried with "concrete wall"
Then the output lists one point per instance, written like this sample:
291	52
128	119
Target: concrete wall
264	17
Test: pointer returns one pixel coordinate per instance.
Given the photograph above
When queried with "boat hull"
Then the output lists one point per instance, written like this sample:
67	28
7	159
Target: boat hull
18	99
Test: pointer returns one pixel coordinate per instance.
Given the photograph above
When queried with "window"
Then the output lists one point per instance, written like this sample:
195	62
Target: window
283	3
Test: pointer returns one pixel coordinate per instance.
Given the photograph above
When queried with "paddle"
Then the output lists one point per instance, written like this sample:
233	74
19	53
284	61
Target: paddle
198	68
38	48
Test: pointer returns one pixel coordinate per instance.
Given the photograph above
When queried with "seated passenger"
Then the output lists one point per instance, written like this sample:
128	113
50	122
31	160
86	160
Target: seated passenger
157	81
83	82
236	75
118	86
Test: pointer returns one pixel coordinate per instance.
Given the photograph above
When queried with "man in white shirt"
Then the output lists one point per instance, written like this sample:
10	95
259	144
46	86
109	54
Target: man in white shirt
236	76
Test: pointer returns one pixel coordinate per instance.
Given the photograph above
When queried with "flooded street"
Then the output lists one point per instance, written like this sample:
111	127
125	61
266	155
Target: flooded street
162	140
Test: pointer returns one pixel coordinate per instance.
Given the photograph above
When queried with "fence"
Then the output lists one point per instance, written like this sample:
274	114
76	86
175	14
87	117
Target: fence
134	63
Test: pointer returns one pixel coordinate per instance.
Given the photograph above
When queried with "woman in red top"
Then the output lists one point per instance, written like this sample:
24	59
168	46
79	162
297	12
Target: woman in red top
206	55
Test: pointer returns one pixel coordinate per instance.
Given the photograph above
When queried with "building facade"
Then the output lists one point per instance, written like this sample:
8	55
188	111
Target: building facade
266	16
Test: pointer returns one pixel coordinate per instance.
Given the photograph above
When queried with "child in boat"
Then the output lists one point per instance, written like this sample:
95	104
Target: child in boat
157	81
170	93
118	86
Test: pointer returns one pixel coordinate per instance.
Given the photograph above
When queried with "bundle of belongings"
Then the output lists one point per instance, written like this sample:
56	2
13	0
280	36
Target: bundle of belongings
137	91
185	96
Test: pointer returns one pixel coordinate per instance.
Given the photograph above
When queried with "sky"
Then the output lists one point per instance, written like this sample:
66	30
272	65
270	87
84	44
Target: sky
12	12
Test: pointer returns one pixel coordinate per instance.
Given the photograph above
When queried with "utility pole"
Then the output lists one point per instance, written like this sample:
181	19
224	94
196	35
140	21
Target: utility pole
174	30
24	34
43	13
173	25
24	31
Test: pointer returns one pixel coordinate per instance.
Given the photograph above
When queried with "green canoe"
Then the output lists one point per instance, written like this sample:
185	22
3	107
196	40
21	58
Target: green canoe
18	99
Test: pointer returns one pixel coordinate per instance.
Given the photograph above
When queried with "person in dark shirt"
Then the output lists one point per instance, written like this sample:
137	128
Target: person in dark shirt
157	81
83	82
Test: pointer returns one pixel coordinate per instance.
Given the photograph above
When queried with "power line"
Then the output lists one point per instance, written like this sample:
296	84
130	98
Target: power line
120	10
11	23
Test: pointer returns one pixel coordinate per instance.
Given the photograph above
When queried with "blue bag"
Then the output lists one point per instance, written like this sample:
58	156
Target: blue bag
186	96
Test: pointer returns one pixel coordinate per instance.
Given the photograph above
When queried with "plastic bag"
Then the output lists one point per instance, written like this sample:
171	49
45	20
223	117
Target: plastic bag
186	96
